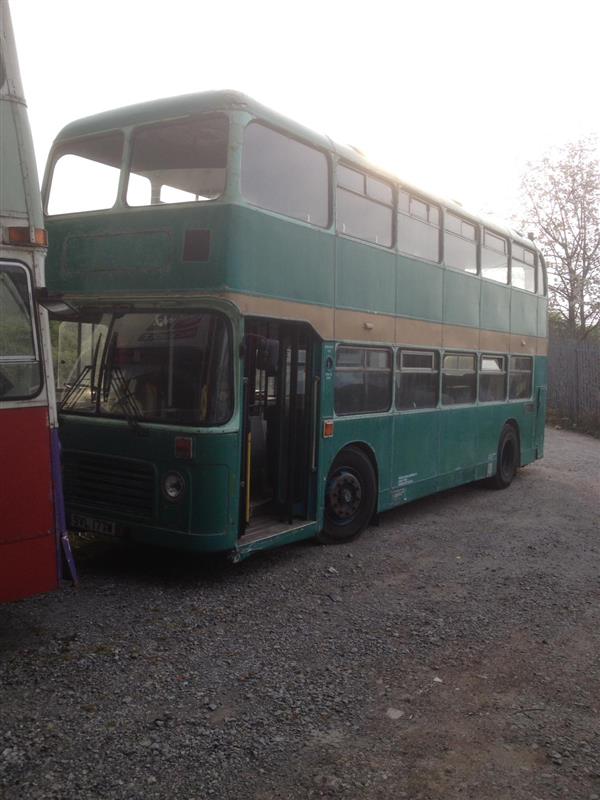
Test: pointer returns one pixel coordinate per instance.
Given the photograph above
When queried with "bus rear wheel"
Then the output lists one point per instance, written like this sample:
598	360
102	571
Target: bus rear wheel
507	459
350	497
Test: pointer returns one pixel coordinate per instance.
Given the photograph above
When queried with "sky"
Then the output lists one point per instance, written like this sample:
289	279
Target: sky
453	96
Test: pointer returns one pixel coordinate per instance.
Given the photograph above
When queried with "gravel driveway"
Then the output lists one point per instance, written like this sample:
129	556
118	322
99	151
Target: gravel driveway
451	652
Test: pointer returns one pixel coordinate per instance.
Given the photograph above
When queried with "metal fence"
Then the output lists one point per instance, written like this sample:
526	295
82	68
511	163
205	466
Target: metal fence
574	379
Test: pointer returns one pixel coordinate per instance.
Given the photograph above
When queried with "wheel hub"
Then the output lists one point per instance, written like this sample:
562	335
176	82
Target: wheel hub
344	495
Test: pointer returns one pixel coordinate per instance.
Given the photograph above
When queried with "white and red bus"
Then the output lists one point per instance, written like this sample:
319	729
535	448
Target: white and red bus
31	510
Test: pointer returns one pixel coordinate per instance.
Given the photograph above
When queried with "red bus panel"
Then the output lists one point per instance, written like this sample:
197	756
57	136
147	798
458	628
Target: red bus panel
28	558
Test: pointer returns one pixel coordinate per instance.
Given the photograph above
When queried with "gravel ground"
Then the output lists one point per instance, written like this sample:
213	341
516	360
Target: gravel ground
451	652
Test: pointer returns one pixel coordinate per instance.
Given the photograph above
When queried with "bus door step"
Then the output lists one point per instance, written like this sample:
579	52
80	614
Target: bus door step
271	534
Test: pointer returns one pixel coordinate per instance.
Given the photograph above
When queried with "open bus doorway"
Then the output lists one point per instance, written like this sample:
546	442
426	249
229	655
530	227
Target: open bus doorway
279	418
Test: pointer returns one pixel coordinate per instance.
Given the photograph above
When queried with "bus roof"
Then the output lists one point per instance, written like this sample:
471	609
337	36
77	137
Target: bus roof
230	100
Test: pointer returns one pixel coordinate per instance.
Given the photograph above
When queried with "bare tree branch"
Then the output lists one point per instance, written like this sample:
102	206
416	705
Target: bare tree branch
561	200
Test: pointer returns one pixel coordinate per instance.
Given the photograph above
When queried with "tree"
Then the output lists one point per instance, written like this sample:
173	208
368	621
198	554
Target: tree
561	195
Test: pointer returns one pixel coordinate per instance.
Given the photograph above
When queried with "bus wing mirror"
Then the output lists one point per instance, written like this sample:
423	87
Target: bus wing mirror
55	304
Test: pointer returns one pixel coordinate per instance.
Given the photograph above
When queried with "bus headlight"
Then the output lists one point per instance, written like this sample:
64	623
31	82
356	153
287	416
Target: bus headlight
173	486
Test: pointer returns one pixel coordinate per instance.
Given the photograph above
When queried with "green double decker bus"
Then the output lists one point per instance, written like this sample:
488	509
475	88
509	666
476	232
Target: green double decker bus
269	339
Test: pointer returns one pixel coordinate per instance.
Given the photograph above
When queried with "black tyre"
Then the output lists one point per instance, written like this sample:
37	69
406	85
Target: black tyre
350	497
507	461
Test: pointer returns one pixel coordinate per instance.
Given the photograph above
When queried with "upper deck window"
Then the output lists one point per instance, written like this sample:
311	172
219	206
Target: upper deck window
364	206
179	162
494	257
284	175
20	375
86	173
523	268
418	227
460	243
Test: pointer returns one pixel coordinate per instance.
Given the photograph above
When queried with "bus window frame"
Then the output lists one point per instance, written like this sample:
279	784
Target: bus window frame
391	351
130	132
62	148
443	371
232	376
289	135
393	205
477	240
505	359
510	371
530	249
35	329
437	354
507	253
431	203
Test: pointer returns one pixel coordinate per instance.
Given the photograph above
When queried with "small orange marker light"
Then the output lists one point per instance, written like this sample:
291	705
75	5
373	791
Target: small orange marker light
328	429
19	235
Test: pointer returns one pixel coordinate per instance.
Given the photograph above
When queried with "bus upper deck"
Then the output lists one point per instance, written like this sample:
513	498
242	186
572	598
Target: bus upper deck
214	193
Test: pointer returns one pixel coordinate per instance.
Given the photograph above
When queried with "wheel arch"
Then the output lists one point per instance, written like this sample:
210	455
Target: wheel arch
368	451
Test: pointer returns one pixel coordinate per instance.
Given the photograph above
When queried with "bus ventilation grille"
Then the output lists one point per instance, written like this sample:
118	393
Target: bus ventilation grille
117	485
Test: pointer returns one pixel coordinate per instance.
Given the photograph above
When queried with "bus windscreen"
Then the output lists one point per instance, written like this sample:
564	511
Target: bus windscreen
160	367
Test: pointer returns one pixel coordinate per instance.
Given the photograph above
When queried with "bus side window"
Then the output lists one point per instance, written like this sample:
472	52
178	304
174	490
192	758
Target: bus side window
494	257
459	379
521	377
417	379
492	379
20	375
523	268
418	227
364	206
363	380
460	243
284	175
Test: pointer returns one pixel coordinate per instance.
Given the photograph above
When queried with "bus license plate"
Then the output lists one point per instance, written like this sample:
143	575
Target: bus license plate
92	525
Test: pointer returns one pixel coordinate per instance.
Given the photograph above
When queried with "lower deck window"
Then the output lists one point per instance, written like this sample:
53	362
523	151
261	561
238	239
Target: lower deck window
417	379
492	379
521	377
459	379
363	380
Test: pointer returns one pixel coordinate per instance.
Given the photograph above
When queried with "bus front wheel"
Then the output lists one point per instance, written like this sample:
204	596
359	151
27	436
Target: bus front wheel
507	460
350	497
